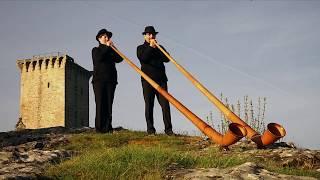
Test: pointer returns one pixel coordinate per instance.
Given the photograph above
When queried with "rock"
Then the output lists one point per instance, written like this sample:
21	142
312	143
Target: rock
284	154
290	163
292	145
282	145
247	170
28	164
39	145
23	153
5	157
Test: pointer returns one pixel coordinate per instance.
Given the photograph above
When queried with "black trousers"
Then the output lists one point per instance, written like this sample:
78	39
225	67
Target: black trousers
104	95
149	93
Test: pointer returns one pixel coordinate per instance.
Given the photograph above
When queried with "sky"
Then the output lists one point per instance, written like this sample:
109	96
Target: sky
248	47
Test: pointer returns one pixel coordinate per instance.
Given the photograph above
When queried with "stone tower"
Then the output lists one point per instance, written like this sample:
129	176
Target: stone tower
54	91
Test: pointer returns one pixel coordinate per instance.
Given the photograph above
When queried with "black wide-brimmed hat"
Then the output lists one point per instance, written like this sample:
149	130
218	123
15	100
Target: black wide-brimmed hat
103	31
149	29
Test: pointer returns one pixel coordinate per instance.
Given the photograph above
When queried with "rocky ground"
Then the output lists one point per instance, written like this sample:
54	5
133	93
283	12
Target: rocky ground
248	170
286	154
25	155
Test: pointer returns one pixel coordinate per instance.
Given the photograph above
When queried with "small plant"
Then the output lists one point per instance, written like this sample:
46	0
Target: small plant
254	117
20	125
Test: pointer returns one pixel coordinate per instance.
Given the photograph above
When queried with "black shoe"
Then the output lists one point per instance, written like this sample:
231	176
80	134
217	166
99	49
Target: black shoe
153	133
170	133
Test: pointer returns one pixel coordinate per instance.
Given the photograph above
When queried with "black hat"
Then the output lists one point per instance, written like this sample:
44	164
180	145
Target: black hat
149	29
103	31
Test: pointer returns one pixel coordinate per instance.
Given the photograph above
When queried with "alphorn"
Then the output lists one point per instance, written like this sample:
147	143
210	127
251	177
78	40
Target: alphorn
234	134
274	131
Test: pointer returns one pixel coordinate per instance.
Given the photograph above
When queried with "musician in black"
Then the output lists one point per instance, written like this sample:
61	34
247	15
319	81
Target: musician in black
104	80
152	63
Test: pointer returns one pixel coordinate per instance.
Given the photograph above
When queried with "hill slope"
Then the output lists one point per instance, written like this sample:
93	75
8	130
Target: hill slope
83	154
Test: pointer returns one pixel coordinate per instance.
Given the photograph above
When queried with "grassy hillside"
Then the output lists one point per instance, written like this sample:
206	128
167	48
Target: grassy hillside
134	155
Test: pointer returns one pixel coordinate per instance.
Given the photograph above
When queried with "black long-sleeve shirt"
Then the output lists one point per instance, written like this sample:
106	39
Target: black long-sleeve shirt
104	68
152	62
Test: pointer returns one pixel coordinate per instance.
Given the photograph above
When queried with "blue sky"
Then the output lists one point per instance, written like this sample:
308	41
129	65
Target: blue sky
256	48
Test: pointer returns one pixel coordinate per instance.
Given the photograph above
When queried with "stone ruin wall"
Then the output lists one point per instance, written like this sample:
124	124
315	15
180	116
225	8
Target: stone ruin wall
53	92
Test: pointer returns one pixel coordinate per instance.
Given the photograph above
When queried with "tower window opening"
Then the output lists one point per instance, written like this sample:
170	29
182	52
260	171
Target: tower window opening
40	63
27	66
47	63
60	61
34	63
53	61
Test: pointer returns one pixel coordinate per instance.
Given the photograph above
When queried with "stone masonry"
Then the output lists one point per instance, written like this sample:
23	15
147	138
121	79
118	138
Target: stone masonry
54	91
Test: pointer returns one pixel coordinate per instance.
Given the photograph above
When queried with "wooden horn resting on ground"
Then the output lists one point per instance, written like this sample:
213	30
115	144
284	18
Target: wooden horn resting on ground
272	134
234	134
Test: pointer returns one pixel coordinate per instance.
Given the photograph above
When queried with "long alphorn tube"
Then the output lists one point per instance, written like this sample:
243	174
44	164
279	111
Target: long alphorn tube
234	134
272	134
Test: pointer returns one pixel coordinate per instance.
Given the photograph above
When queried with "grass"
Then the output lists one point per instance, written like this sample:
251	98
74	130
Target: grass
133	155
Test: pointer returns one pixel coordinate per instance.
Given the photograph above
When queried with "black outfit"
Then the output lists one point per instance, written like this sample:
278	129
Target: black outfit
104	84
152	63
